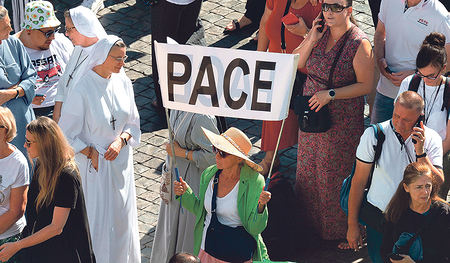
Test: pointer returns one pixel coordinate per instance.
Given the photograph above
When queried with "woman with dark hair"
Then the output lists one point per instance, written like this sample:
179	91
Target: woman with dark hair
57	224
430	83
416	207
101	123
270	40
325	159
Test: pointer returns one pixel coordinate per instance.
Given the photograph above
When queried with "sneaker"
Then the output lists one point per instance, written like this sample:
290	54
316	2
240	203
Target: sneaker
94	5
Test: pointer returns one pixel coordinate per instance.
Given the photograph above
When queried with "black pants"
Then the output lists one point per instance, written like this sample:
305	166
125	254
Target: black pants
254	9
179	22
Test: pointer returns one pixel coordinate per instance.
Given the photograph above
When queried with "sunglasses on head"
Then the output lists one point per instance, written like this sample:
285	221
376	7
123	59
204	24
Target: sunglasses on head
221	153
335	8
429	76
50	33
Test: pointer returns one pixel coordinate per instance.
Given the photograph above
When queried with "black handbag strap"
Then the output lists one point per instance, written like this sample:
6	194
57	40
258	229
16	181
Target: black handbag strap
338	55
214	195
283	40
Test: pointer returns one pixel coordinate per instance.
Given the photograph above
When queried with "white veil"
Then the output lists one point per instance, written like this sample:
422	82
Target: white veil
86	22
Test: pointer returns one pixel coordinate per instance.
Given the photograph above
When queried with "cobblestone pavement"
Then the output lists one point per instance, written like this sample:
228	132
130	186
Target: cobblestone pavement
131	21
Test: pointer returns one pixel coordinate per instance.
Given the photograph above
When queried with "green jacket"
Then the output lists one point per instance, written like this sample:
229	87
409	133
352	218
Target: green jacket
250	186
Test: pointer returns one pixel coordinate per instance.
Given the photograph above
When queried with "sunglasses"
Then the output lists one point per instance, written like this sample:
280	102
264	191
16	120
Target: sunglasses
50	33
120	59
429	76
1	126
221	153
335	8
28	143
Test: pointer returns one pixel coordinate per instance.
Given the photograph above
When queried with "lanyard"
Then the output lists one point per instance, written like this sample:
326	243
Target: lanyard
402	142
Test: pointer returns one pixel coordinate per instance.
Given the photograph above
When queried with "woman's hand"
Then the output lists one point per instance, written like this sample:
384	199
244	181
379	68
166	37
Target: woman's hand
38	100
94	159
179	188
180	152
299	29
8	250
318	100
264	197
113	149
314	35
406	259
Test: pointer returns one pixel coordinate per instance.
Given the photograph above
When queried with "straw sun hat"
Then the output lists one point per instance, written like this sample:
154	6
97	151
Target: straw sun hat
234	142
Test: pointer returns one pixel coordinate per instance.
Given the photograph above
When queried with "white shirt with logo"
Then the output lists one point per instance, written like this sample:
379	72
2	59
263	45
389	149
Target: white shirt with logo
50	65
405	32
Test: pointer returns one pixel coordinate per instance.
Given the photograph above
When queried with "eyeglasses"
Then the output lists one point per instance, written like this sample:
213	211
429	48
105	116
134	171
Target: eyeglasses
221	153
69	28
335	8
1	126
120	59
50	33
429	76
28	143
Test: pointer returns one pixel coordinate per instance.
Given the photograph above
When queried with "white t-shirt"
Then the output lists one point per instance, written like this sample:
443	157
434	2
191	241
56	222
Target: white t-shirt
405	32
435	118
226	209
180	2
13	174
50	65
393	160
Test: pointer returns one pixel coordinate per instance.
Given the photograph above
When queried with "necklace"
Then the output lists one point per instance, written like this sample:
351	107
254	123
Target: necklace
76	66
113	120
426	102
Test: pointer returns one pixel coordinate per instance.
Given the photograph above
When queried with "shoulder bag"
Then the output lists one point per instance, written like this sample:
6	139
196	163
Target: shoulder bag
230	244
310	120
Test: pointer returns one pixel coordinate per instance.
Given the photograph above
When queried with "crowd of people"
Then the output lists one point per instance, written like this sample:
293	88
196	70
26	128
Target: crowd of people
67	104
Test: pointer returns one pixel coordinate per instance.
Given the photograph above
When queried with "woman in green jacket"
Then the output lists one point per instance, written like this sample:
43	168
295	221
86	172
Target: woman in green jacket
240	199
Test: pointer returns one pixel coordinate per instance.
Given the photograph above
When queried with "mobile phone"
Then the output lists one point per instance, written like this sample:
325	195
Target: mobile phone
417	125
289	19
321	23
39	95
395	256
388	70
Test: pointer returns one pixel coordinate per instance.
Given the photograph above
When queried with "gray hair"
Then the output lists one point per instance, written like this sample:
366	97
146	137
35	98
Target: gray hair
3	12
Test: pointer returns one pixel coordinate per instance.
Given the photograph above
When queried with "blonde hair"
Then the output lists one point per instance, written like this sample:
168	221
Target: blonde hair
7	119
54	154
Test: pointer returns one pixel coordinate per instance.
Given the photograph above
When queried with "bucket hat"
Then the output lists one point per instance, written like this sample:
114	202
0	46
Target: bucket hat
39	14
233	141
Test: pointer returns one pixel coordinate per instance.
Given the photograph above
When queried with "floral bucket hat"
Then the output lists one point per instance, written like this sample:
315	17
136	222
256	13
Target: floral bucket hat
39	14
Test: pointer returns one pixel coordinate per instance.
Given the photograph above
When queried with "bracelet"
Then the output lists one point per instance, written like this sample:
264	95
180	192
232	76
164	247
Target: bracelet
90	153
124	141
186	154
421	155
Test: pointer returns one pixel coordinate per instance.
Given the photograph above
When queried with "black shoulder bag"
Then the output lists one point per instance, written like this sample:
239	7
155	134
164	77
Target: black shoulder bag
310	120
231	244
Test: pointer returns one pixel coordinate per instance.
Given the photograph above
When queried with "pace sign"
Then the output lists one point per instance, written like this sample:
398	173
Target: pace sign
226	82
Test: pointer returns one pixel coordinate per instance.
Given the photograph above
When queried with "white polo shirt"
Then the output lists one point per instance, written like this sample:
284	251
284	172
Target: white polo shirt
435	118
393	159
405	32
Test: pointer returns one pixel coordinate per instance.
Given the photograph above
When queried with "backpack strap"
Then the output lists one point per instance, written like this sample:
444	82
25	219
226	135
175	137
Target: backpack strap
446	103
414	83
379	135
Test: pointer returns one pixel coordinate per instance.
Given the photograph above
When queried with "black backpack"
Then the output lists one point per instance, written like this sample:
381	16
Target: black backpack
414	86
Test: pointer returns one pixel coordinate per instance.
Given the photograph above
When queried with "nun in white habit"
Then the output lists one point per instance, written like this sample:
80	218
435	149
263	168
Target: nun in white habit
101	122
84	30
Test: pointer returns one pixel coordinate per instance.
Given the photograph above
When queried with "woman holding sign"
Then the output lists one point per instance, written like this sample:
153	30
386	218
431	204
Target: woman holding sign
232	232
298	21
325	159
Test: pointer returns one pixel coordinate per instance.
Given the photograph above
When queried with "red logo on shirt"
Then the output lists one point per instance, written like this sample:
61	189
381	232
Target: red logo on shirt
423	22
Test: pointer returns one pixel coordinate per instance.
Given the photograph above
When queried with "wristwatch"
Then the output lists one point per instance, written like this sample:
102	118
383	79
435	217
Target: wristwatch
17	94
332	93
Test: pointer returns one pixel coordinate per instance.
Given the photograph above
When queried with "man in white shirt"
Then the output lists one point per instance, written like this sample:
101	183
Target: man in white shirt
49	52
397	152
401	28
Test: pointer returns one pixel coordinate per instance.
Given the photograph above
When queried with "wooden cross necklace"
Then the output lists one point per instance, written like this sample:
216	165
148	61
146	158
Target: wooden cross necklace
113	120
76	66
